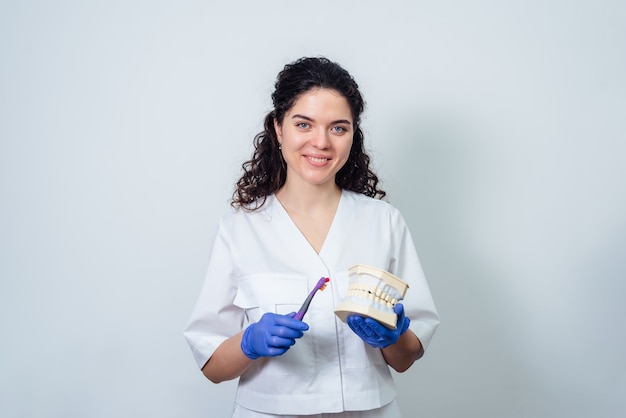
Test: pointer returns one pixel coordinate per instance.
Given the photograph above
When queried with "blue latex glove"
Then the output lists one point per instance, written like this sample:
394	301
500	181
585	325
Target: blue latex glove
272	335
376	334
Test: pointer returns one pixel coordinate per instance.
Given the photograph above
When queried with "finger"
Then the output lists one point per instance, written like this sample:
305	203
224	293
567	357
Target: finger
280	342
403	322
286	332
375	327
355	323
404	325
276	351
289	321
361	327
399	309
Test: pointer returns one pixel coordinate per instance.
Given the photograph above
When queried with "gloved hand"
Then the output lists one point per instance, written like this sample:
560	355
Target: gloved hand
272	335
376	334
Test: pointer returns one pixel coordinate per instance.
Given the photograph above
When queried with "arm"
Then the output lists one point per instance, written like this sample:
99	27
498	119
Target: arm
271	336
400	346
227	362
401	355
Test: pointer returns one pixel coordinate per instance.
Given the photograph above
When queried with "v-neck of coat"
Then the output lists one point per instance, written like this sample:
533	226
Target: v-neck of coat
282	212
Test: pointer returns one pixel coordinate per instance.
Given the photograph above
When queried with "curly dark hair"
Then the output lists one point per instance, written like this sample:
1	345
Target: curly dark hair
266	172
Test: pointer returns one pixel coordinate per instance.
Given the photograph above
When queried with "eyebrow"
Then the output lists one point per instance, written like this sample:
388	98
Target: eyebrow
298	116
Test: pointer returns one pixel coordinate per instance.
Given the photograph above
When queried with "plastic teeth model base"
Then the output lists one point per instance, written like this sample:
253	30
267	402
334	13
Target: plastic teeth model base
372	292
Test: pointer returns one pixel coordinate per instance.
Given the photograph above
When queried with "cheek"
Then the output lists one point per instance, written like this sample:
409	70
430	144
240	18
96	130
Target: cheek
347	149
293	140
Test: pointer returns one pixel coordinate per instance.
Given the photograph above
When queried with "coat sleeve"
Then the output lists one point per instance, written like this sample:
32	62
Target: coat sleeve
215	318
418	303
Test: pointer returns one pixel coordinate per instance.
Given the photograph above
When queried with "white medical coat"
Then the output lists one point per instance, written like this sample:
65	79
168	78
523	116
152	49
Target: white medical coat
260	262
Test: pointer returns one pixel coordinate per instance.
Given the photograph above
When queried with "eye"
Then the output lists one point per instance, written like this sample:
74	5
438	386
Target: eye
339	129
303	125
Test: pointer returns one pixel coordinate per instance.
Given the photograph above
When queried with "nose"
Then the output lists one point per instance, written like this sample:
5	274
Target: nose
321	139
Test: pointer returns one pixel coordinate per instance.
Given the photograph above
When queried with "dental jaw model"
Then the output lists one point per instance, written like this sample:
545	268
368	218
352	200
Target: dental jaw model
372	292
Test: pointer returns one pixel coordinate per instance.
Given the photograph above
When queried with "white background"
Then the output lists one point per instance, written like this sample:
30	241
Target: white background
496	126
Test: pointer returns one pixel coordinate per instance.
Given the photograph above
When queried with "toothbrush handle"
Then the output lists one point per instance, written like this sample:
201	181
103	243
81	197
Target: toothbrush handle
304	307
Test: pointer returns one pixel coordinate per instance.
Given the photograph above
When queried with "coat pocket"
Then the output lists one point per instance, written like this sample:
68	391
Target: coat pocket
277	293
281	294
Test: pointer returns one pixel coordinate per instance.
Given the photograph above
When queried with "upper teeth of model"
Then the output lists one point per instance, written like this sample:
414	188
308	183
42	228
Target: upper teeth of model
382	296
318	160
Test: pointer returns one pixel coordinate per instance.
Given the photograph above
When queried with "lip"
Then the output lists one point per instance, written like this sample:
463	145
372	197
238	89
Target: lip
317	159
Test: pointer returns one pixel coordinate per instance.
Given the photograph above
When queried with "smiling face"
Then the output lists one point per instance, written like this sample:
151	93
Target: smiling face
316	137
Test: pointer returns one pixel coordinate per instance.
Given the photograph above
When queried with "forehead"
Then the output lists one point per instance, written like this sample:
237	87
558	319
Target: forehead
321	103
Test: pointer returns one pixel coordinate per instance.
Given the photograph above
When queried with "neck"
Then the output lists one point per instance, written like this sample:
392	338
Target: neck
308	197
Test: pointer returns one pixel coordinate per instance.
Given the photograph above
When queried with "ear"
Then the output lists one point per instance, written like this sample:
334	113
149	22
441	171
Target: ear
279	131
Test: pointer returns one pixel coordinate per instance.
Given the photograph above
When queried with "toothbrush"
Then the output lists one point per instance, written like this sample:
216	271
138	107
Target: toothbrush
321	285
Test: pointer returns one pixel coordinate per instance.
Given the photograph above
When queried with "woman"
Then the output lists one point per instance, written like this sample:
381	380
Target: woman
307	206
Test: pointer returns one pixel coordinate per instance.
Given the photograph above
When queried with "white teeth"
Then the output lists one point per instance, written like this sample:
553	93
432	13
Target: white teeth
372	292
382	298
318	160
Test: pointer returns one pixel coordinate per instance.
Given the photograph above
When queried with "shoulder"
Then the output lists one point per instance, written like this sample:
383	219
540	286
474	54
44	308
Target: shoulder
374	211
369	204
245	215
